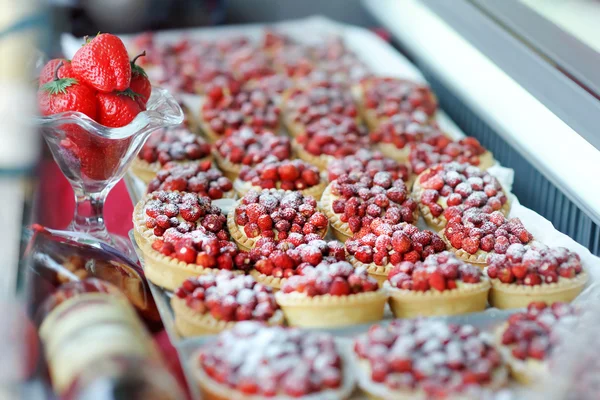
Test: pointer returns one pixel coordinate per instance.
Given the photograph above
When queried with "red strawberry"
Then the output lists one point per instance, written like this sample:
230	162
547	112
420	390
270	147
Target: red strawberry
66	94
117	109
103	63
140	83
47	73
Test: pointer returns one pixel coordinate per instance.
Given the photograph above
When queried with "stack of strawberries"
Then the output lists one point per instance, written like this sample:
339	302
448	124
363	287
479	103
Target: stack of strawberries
103	84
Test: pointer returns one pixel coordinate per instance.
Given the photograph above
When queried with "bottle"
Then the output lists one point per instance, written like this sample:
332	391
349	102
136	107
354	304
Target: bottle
97	347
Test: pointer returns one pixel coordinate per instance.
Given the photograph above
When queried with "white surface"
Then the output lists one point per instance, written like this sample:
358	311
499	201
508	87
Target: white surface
552	146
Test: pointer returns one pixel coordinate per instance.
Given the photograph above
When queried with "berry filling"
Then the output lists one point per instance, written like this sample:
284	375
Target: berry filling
369	162
532	266
450	188
197	178
360	198
247	63
531	334
273	84
225	110
385	243
248	148
276	214
391	96
286	175
173	145
308	105
429	355
442	150
291	256
336	279
475	230
293	61
334	136
228	297
442	271
273	361
402	130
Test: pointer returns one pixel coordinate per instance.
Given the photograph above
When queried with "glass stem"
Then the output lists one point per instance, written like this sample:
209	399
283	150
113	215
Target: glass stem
89	214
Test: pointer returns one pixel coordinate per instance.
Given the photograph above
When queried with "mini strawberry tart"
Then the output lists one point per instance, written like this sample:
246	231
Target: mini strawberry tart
275	262
353	201
182	235
198	178
247	64
444	191
394	136
176	145
526	273
440	285
442	150
293	61
528	338
304	106
330	138
286	175
274	214
384	244
209	304
245	147
369	162
428	359
255	362
380	98
331	294
224	111
475	235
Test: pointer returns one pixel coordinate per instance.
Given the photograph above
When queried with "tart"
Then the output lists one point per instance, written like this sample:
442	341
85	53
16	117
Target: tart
275	262
274	213
369	162
380	98
353	201
293	61
183	235
442	150
176	145
475	235
209	304
338	63
331	294
245	147
394	136
428	359
444	191
528	338
246	63
228	108
306	105
440	285
198	178
383	244
286	175
330	138
254	362
526	273
274	85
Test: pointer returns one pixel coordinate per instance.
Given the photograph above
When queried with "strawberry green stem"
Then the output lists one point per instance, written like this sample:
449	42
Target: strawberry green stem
60	64
142	54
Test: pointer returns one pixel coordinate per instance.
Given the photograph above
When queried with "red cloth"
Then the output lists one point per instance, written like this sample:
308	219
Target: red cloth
56	205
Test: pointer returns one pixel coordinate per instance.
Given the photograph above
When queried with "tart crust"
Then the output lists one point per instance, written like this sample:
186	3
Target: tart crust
391	151
242	187
212	390
320	162
341	230
506	295
271	281
439	223
466	298
230	170
477	259
147	171
190	323
526	371
378	272
211	136
237	232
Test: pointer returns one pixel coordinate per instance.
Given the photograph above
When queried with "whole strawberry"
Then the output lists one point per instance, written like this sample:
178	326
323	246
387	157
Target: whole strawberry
47	73
118	108
139	80
103	63
66	94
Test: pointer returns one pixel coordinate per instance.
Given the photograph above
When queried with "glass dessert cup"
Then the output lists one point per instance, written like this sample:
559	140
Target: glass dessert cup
94	157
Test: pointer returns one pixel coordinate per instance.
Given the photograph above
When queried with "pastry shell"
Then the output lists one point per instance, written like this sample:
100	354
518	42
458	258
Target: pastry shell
191	323
229	169
147	171
378	272
327	311
507	295
273	282
321	161
466	298
525	371
243	187
478	258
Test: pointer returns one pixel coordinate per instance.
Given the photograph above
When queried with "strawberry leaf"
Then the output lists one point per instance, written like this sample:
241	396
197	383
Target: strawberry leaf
129	93
59	86
137	70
